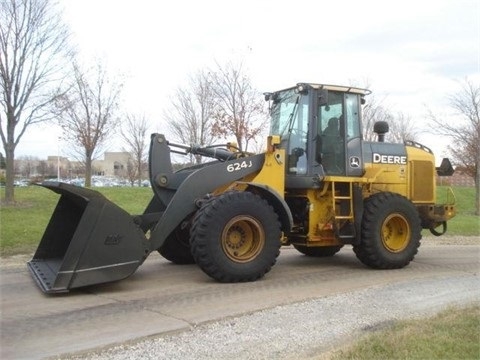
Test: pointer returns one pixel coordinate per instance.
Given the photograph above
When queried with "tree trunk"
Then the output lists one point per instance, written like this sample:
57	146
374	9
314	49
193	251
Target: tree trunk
10	176
88	171
477	189
139	170
477	197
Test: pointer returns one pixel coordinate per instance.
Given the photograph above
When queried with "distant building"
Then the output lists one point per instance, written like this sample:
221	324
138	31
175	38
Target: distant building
58	161
113	164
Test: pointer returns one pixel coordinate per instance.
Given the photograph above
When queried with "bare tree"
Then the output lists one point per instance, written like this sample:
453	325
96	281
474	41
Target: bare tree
87	113
42	169
239	108
402	128
33	45
131	172
134	134
191	115
28	165
465	132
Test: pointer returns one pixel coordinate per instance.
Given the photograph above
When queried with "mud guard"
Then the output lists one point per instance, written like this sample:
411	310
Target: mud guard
89	240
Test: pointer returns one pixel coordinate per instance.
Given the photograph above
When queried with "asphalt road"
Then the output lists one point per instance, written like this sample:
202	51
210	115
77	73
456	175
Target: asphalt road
164	298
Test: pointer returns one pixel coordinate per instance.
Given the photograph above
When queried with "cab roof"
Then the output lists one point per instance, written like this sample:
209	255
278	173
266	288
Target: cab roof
350	89
341	88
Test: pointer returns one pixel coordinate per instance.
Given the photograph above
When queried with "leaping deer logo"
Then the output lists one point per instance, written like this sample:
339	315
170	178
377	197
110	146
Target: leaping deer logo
354	162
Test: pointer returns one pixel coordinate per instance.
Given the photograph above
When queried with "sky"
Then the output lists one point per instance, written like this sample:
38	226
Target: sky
412	53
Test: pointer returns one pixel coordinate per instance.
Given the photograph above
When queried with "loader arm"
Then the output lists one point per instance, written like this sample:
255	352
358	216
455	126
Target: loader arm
180	191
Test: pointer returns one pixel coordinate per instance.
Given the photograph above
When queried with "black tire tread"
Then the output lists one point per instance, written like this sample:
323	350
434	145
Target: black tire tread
177	251
213	262
371	251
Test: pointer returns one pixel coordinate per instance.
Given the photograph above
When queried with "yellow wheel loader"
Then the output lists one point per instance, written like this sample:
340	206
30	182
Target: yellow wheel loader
317	187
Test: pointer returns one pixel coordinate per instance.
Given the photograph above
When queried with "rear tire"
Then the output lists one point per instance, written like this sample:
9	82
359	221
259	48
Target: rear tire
318	251
391	232
176	247
235	237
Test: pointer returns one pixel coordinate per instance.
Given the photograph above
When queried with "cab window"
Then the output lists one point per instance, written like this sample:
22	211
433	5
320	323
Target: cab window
353	121
331	130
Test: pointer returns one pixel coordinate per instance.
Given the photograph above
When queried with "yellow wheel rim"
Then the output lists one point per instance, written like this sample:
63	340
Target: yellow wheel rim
396	233
243	238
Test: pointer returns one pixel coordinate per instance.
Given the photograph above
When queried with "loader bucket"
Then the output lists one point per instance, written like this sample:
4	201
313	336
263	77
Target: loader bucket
89	240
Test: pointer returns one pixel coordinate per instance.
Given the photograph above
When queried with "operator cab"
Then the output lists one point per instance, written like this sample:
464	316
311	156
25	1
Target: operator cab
320	128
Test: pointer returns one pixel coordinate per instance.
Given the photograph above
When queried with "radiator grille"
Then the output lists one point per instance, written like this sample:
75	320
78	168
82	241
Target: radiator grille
422	181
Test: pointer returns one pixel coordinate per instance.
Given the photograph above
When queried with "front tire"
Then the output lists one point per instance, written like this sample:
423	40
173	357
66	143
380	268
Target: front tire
176	247
391	232
235	237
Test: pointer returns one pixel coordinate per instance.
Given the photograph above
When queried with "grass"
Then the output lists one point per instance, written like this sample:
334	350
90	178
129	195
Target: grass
22	226
451	334
465	222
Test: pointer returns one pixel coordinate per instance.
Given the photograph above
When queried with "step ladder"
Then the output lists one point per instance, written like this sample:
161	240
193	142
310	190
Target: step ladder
342	204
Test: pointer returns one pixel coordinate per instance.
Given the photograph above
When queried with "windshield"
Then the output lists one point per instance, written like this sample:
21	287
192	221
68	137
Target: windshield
289	113
289	119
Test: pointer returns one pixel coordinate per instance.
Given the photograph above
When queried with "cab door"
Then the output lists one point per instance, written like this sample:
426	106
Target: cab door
331	134
339	141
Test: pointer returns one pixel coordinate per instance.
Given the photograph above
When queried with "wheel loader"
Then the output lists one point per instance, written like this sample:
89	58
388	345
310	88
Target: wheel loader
318	186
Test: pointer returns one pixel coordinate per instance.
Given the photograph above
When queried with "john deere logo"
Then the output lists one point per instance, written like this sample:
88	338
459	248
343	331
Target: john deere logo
113	239
389	159
354	162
